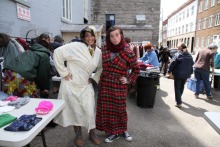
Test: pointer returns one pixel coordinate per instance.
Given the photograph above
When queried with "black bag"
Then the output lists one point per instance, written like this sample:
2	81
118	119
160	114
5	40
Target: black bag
53	71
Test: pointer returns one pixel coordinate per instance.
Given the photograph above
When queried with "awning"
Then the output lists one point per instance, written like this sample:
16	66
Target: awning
78	28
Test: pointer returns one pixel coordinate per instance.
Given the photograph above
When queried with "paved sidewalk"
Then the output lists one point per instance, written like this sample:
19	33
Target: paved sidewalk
162	126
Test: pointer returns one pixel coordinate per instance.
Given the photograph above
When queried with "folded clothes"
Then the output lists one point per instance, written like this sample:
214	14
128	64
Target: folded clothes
19	102
24	123
11	98
6	119
3	95
6	109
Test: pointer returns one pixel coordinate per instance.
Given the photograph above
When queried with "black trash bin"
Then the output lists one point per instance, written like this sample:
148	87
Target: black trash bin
146	91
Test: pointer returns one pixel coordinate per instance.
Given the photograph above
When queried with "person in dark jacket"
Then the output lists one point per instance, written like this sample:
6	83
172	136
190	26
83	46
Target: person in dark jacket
20	83
164	58
181	67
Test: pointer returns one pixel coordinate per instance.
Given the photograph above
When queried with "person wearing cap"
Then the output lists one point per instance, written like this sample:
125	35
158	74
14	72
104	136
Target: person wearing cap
117	59
150	57
83	58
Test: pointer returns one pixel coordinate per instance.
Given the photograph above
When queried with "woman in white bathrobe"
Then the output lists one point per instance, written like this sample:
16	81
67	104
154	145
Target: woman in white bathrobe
83	58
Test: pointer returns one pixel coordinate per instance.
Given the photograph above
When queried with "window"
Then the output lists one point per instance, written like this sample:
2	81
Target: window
200	6
199	25
176	32
182	29
67	10
110	20
180	16
218	1
187	15
179	30
186	28
217	19
202	41
197	42
192	10
210	21
208	41
191	27
216	39
176	18
204	23
206	4
212	3
183	15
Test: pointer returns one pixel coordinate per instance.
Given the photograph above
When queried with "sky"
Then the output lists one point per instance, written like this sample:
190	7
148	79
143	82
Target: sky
168	6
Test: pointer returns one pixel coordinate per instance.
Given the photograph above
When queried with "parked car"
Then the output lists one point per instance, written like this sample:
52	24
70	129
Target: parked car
173	51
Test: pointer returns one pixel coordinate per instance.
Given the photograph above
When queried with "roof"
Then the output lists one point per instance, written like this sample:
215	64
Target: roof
78	28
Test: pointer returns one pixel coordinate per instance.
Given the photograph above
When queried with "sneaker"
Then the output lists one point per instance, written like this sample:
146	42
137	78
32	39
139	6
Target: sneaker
179	105
210	97
111	138
127	136
196	96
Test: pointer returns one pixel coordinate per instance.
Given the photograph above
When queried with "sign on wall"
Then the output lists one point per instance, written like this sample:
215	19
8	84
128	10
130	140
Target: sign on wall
23	12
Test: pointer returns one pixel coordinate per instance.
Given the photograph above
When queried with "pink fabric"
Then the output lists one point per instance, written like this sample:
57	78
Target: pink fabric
11	98
44	107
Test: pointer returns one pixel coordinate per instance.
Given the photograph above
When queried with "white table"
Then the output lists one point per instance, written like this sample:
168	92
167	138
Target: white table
18	139
213	118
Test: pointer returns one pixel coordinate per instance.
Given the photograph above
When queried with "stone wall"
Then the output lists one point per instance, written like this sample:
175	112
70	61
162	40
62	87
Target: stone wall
125	16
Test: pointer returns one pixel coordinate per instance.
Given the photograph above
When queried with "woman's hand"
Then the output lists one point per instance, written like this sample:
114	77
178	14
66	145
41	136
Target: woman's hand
123	80
68	77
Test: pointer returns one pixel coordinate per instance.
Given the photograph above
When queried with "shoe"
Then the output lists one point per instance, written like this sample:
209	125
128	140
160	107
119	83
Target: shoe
111	138
127	136
210	97
196	96
179	105
93	137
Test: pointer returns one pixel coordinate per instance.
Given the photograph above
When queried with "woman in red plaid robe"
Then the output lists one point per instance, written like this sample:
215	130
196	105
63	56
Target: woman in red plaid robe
120	68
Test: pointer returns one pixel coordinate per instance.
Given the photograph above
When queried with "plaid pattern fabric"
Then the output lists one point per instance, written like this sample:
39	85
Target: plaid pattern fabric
16	85
111	114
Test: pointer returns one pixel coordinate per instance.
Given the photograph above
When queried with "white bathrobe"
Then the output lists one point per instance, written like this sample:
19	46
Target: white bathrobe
78	94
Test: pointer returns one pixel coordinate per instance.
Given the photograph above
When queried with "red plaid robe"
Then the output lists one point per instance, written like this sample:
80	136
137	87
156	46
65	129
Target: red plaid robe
111	114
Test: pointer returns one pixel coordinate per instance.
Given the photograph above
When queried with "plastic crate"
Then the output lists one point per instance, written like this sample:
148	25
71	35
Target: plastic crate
191	85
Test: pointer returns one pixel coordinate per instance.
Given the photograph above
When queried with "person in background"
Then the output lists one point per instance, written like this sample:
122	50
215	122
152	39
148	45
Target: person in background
24	86
117	59
83	58
217	66
164	58
181	67
204	59
150	56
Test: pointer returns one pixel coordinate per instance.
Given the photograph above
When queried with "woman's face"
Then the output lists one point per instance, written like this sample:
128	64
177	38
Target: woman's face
89	39
115	37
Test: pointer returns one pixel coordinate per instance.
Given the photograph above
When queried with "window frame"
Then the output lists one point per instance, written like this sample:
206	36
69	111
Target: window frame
210	21
212	4
67	10
217	19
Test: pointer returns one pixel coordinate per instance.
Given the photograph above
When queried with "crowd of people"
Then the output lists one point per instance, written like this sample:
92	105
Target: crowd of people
82	65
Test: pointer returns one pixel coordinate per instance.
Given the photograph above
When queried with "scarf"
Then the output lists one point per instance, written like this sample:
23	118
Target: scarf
116	48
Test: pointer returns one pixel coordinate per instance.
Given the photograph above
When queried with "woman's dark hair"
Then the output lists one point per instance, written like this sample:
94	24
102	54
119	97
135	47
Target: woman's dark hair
4	39
111	29
42	40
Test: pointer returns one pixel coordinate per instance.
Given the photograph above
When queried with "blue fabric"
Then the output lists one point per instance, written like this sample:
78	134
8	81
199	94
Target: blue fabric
150	58
201	74
217	60
24	123
179	88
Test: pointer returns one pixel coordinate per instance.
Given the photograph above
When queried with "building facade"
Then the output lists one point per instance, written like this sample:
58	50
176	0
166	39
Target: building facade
29	18
139	19
164	33
181	25
208	23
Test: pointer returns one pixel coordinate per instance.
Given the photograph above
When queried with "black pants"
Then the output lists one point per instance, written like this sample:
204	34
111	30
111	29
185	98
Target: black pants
217	82
179	88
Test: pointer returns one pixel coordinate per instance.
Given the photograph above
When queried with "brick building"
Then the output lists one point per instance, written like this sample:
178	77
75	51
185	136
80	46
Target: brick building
208	23
139	19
